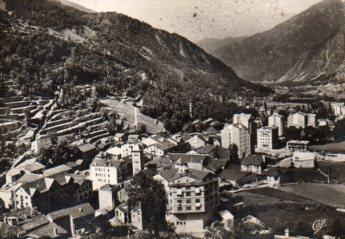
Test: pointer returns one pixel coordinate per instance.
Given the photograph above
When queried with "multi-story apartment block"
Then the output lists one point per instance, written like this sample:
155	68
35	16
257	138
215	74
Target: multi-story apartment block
298	120
301	120
244	119
338	108
238	135
193	198
267	138
277	120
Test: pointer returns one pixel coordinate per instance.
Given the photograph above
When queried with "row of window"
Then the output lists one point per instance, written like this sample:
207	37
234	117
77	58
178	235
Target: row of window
180	201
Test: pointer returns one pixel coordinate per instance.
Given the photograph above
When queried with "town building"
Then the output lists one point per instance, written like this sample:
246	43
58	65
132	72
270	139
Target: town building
303	159
253	163
105	171
137	159
297	145
338	108
298	120
277	120
267	138
244	119
193	199
196	141
239	135
301	120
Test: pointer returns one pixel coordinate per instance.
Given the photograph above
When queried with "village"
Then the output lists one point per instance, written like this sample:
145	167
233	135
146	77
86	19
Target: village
75	165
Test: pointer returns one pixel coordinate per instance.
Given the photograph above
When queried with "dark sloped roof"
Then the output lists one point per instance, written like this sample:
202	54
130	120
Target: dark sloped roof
208	148
187	158
256	160
174	174
233	174
81	210
216	164
47	231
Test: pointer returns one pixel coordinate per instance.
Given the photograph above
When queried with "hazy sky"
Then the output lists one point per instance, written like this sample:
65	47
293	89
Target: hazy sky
199	19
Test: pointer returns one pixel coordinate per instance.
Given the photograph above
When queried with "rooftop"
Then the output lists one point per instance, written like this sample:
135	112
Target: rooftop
81	210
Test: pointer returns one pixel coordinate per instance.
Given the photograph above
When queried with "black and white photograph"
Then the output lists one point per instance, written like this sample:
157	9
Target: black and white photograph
172	119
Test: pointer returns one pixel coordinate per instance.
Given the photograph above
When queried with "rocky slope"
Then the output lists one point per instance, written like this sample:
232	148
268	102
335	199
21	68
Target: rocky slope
306	47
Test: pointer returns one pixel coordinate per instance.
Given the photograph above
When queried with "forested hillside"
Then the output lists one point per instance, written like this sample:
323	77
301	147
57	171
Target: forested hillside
47	45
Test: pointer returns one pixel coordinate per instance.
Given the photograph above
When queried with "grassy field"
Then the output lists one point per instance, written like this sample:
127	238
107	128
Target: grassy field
279	210
127	110
329	194
332	148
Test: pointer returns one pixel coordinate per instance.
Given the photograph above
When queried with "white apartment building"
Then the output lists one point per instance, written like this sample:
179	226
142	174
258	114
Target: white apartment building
244	119
267	138
277	120
338	108
105	171
193	199
238	135
298	120
311	120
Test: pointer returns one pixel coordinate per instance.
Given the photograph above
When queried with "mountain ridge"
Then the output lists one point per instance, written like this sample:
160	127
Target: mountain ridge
268	56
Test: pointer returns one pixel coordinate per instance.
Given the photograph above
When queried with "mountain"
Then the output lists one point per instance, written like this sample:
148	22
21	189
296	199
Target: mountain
212	44
76	6
308	46
48	45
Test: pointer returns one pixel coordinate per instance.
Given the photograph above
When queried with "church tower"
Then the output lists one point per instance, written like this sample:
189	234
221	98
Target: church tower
137	159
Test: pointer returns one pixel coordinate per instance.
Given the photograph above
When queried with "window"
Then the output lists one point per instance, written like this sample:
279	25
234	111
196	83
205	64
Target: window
188	194
189	208
197	200
179	201
189	201
179	208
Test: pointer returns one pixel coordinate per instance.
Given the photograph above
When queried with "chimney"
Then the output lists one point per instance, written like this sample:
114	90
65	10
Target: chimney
287	233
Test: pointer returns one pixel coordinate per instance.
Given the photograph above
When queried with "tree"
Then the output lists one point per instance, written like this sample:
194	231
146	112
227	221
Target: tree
218	232
148	195
233	152
339	130
293	133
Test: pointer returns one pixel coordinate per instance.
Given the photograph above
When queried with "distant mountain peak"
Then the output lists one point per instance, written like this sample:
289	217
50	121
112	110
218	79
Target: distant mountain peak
272	55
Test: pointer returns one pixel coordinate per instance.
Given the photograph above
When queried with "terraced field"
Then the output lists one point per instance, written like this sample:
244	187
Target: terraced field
126	109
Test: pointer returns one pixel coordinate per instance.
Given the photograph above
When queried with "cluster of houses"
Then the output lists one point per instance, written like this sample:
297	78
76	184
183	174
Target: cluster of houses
194	168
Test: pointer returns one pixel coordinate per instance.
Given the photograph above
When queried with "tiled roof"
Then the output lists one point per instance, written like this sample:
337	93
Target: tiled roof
186	158
256	160
208	148
48	232
81	210
174	174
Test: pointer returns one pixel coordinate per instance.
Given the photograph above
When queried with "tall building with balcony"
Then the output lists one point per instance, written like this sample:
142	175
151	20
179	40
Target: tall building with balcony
193	199
267	138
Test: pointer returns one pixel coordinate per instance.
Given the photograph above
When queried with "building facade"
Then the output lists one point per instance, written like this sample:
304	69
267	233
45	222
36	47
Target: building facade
267	138
277	120
193	199
238	135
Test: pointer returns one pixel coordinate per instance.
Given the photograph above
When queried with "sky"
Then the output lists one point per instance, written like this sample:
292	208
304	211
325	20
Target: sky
200	19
